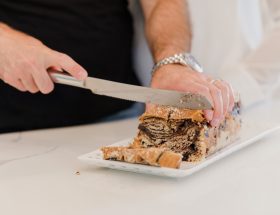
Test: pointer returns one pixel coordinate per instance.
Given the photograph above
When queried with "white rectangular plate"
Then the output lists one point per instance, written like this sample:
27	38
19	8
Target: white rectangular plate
250	133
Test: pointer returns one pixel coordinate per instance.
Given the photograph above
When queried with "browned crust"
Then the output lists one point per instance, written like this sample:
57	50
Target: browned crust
166	112
170	159
151	156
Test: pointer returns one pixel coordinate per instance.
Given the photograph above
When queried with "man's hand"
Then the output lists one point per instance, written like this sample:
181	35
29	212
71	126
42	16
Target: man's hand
182	78
25	61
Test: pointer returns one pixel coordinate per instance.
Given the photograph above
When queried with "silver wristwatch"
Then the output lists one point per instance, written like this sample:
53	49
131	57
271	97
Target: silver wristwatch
185	59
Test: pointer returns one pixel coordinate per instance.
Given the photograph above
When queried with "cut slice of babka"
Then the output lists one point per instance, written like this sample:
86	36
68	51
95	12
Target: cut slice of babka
150	156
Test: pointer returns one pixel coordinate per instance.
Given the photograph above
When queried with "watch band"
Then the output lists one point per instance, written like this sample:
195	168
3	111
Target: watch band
185	59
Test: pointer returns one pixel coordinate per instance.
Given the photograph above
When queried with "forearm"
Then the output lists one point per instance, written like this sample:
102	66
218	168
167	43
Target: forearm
167	27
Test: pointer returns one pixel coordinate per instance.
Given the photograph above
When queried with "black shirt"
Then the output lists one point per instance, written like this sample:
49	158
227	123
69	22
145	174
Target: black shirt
96	33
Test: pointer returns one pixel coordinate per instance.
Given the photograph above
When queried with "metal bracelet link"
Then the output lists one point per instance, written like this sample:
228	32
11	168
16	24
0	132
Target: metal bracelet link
185	59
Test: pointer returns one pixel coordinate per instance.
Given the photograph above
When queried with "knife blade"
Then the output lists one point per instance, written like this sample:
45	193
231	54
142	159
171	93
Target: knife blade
135	93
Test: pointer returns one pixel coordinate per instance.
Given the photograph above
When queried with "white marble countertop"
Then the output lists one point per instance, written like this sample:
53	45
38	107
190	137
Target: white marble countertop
38	176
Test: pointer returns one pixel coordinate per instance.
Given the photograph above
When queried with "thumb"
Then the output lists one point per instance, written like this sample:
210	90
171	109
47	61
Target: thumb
65	62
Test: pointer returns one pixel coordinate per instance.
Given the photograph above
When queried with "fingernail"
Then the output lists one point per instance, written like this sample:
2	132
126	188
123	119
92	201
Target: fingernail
208	115
82	75
215	122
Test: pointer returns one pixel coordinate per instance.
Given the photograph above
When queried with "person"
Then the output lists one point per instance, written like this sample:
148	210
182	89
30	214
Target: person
89	38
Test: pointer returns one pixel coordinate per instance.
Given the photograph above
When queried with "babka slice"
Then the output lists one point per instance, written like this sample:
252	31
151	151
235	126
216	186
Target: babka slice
152	156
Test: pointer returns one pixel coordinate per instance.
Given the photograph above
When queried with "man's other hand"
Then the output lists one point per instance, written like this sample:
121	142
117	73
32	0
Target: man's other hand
25	61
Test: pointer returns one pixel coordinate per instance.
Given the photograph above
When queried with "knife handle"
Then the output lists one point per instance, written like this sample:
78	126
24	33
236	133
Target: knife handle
64	78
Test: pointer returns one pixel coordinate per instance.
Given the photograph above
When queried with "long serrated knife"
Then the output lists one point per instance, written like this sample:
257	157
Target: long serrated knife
135	93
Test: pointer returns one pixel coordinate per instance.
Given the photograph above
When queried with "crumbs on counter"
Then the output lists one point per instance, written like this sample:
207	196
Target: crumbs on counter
77	173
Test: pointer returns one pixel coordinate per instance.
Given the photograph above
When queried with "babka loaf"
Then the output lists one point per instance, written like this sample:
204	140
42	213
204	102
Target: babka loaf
184	132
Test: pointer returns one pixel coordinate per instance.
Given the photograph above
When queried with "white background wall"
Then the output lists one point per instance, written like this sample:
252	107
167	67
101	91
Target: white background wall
216	30
230	39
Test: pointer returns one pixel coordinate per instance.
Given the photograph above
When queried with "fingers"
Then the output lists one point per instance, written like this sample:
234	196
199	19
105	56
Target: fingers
28	82
14	82
227	101
195	87
32	82
21	78
208	115
225	95
57	61
35	77
68	64
231	96
213	95
218	105
43	81
32	75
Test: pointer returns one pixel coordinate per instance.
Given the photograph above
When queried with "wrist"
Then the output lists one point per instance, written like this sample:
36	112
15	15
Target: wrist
167	52
171	70
184	59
